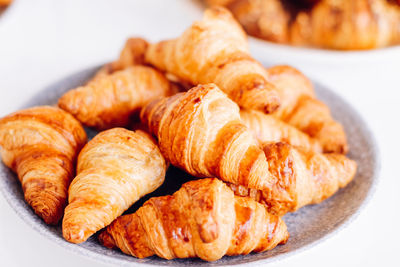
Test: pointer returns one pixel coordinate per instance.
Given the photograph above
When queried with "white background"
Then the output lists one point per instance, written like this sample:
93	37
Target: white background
43	41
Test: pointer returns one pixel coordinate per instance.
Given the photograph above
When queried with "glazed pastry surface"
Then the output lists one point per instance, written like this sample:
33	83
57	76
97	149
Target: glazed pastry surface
200	131
203	219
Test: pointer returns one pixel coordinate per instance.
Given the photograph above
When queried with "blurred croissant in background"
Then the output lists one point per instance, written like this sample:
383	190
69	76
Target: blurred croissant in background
202	219
332	24
343	24
4	3
266	19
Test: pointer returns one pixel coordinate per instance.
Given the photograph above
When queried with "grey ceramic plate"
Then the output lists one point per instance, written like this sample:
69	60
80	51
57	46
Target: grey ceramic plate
307	227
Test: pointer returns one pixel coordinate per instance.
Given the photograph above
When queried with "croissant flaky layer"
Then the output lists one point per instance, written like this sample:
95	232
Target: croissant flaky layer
203	219
300	108
214	50
41	145
110	101
268	128
115	169
302	178
201	132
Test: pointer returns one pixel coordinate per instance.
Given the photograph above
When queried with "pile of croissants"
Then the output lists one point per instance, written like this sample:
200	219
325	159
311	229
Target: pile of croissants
257	140
331	24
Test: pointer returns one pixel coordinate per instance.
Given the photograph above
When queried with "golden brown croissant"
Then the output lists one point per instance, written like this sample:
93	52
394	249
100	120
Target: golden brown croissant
132	54
5	3
291	85
203	219
214	50
41	145
266	19
110	101
115	169
300	108
200	131
267	128
343	24
303	177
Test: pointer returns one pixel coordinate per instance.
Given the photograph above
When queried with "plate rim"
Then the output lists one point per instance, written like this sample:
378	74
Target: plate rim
100	258
319	55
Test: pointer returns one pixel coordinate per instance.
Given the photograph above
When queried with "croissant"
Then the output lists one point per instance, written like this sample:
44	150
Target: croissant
111	101
200	131
40	144
303	177
343	24
302	110
267	128
131	54
214	50
266	19
115	169
4	3
202	219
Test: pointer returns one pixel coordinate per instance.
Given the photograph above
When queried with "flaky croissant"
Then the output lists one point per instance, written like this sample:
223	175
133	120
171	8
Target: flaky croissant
200	131
203	219
131	54
114	170
41	145
266	19
214	50
343	24
111	100
267	128
303	177
300	108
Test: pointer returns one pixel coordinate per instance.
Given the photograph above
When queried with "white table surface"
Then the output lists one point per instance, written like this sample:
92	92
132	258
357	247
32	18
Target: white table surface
43	41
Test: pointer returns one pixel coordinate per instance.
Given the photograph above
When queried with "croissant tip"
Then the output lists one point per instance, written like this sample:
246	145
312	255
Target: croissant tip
106	239
271	107
285	238
74	234
46	207
48	216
